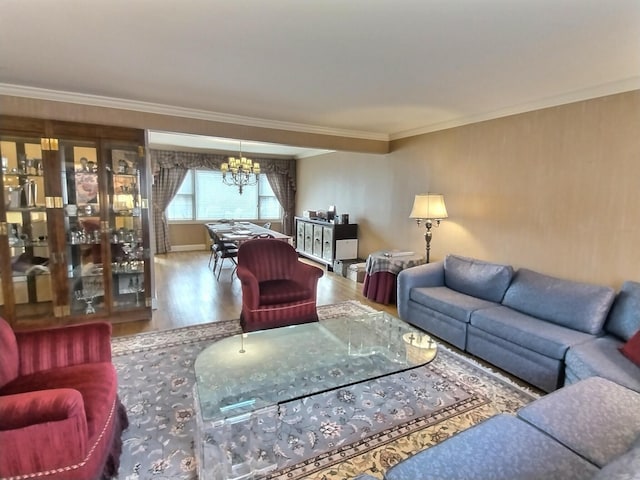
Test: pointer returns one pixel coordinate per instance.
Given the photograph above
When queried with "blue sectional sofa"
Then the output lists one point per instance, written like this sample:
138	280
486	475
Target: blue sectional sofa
601	356
545	330
586	431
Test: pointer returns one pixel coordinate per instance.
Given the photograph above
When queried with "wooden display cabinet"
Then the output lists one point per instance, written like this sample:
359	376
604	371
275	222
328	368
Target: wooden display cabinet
74	223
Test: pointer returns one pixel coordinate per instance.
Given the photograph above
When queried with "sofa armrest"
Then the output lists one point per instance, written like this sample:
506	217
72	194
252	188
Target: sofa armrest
52	423
427	275
63	346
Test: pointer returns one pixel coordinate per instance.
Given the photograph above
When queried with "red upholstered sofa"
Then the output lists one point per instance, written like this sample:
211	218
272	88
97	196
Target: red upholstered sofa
277	288
60	416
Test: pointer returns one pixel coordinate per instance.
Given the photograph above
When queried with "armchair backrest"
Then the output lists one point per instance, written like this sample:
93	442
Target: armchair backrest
268	259
9	361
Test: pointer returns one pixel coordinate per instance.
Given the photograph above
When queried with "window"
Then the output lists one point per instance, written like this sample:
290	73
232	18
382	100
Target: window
203	196
181	207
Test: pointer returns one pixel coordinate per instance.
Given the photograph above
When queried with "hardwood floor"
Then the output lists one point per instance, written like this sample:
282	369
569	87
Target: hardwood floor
188	293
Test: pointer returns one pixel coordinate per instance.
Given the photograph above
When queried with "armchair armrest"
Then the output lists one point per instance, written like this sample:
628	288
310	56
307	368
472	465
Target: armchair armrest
41	430
308	275
41	406
427	275
250	287
63	346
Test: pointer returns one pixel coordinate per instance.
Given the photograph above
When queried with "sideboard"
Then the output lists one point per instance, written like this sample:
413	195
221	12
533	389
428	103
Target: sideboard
326	242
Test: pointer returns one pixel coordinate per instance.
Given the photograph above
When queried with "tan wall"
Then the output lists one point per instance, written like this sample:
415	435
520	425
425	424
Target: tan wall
188	235
556	190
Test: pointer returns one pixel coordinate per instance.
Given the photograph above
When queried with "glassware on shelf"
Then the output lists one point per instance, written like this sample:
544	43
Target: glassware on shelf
87	296
136	285
30	188
12	196
14	238
71	210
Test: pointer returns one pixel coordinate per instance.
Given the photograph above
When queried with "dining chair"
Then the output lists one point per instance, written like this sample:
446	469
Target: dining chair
213	246
263	235
224	250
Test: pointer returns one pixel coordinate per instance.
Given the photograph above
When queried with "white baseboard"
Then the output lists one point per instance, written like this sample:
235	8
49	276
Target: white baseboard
188	248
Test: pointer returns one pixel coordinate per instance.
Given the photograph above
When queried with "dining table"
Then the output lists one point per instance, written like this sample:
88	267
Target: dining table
238	232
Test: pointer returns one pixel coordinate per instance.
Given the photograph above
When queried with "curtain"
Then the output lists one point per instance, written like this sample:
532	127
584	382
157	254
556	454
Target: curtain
166	185
286	195
281	174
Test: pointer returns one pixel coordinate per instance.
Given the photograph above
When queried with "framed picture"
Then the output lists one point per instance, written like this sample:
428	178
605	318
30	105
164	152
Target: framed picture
86	188
124	161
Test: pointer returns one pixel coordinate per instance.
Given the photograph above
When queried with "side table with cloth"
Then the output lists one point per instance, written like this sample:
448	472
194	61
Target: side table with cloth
381	274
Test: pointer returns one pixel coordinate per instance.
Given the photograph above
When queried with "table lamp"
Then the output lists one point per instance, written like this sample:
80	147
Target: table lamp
428	207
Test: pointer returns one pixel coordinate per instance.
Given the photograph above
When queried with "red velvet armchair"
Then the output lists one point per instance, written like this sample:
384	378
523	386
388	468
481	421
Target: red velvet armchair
277	289
60	416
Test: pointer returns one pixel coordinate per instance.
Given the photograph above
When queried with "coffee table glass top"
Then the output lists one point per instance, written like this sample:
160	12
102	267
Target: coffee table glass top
248	372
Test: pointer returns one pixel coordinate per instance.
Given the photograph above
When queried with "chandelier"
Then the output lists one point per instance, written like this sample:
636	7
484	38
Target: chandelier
240	171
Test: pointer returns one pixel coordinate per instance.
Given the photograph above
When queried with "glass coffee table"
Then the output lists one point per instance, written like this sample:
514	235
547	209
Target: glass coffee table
241	381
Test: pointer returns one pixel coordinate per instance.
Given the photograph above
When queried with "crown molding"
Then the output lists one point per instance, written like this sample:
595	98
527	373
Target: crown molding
603	90
632	83
170	110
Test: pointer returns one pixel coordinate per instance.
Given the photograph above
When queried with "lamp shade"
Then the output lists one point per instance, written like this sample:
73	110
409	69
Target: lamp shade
429	206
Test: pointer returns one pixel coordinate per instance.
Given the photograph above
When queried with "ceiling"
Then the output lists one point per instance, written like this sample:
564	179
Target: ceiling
377	69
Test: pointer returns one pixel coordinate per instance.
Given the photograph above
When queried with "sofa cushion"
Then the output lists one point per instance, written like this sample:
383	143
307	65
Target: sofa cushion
624	318
479	279
500	448
576	305
545	338
625	467
596	418
9	360
449	302
631	349
601	357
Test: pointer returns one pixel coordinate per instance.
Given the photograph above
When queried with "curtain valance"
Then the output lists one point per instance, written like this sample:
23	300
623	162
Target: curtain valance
192	160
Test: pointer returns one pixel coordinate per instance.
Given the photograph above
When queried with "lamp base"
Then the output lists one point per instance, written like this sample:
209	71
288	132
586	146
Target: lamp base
428	223
427	237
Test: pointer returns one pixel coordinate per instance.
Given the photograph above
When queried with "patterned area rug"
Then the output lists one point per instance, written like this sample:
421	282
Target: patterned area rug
335	435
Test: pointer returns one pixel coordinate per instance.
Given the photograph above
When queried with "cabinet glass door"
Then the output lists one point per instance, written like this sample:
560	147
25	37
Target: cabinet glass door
25	289
85	290
126	227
